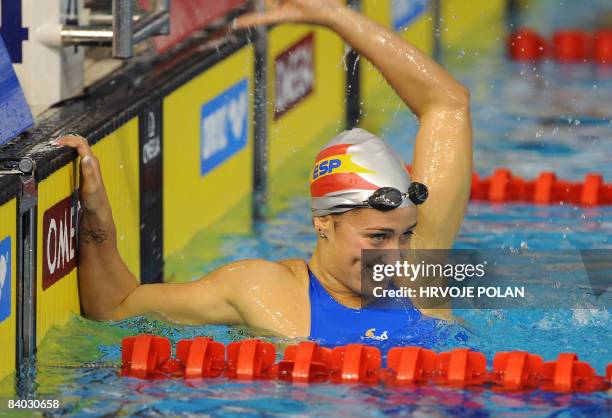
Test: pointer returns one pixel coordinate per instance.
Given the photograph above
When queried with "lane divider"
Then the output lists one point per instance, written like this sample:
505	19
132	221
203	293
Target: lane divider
149	357
568	45
546	189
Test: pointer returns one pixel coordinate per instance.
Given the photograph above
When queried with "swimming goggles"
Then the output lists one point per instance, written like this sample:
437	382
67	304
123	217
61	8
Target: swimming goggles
388	198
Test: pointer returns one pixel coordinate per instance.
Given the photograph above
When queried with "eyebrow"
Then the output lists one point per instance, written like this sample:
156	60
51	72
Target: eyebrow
389	229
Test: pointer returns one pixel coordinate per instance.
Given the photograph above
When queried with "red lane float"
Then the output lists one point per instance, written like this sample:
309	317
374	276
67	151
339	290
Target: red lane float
568	374
202	357
355	363
568	45
305	362
516	370
461	367
503	186
602	48
251	359
410	365
571	45
149	357
526	45
143	356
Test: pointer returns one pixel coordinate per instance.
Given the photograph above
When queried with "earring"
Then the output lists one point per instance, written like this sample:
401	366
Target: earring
322	235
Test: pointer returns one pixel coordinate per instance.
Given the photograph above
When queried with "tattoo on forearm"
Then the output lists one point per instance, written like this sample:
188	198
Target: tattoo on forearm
97	235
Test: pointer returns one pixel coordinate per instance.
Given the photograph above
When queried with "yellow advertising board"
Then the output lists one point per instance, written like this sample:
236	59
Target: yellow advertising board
207	148
472	25
8	286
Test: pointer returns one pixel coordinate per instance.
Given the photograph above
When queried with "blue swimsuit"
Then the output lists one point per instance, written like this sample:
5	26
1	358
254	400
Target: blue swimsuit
332	323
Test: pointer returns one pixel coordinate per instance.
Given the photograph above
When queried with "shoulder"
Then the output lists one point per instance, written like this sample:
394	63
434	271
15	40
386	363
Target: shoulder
276	286
256	271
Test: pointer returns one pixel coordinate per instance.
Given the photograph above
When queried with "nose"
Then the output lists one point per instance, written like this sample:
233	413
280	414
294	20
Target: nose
392	254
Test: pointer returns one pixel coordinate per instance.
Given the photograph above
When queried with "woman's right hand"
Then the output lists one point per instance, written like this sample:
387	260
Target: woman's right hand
91	190
320	12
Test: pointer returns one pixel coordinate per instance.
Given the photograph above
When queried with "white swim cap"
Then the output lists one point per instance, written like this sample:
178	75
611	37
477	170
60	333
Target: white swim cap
350	167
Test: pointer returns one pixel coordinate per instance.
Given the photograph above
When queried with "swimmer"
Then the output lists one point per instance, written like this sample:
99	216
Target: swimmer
362	198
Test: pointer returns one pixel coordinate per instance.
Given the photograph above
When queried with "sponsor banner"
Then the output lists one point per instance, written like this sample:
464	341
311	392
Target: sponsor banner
15	115
9	307
5	278
59	245
294	75
151	195
295	135
224	126
150	138
404	12
488	279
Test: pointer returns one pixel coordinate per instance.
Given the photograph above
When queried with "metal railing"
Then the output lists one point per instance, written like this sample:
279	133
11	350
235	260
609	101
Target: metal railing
121	30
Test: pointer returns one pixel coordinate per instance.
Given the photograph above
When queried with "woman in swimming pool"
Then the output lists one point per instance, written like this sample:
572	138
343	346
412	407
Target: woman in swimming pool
321	298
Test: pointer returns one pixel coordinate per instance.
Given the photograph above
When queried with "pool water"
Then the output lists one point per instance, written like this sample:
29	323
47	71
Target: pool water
527	118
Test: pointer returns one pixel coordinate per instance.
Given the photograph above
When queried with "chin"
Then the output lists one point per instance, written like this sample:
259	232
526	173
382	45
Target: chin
357	288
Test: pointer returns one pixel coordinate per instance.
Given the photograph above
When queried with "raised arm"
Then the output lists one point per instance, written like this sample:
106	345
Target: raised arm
443	149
